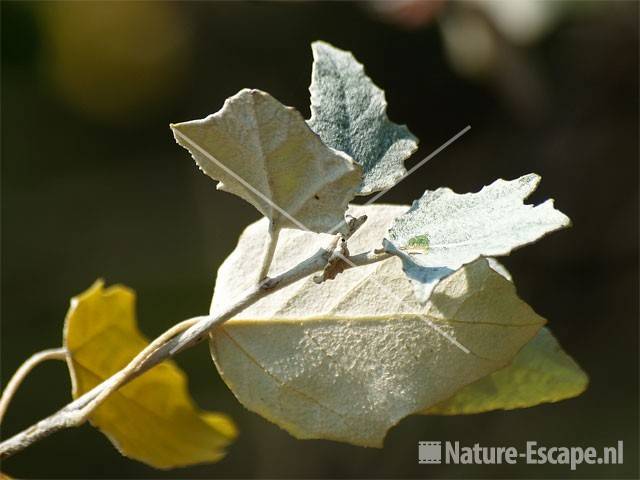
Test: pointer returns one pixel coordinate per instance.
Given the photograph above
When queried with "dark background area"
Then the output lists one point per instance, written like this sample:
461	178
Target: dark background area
93	185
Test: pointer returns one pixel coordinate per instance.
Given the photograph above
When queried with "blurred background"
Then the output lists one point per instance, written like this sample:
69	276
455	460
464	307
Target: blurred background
93	185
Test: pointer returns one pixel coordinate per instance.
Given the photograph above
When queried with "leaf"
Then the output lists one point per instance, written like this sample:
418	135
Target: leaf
456	229
152	419
265	153
424	279
349	112
541	372
349	358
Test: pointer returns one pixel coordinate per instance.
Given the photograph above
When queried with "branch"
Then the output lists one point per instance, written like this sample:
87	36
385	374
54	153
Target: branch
341	260
367	258
23	371
130	371
269	249
176	340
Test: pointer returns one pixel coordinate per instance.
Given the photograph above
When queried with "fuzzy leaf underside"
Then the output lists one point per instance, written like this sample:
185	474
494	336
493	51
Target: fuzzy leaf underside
347	359
454	229
348	111
540	373
266	154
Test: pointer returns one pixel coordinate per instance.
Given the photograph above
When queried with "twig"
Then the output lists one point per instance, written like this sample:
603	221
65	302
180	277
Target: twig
368	258
23	371
170	344
128	372
269	249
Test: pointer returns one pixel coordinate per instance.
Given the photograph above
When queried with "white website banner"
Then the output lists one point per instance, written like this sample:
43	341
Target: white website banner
453	453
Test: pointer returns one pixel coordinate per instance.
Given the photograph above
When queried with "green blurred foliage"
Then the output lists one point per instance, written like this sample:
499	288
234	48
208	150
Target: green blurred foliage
94	185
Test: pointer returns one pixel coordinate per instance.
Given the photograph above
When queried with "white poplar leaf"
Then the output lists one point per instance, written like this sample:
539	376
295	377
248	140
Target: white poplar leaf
542	372
444	230
349	112
265	153
349	358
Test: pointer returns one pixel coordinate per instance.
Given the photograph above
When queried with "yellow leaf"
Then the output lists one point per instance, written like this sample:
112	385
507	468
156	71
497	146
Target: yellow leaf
541	372
152	419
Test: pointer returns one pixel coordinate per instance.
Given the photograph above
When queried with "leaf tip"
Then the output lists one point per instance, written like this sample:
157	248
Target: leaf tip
319	45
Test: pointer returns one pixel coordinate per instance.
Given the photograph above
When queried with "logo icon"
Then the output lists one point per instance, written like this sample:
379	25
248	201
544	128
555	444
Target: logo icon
429	452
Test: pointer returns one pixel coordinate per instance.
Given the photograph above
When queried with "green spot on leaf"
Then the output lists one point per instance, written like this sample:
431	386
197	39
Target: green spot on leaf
417	244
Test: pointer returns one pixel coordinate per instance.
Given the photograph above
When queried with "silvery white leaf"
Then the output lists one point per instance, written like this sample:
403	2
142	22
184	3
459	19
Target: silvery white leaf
541	372
347	359
348	111
444	229
266	154
424	279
